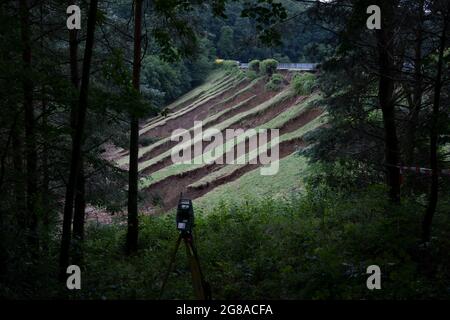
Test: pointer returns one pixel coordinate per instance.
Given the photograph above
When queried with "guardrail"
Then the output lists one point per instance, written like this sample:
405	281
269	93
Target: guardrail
288	66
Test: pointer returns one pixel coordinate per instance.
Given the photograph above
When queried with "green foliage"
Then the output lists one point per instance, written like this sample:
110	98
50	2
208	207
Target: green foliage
252	75
316	52
315	246
163	82
169	80
225	45
254	65
281	58
304	83
275	83
231	67
268	66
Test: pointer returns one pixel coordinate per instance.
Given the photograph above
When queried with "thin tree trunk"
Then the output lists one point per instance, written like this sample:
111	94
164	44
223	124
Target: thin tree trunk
45	189
385	96
17	156
417	91
434	187
45	179
133	223
77	140
5	153
78	218
30	139
80	203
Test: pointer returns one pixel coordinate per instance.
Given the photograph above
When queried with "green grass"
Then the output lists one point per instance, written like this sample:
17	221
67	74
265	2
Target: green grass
228	122
161	121
215	91
274	123
304	83
314	245
252	185
214	79
210	118
230	168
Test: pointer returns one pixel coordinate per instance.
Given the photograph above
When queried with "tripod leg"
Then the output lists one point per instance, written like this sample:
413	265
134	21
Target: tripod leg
198	282
205	285
172	261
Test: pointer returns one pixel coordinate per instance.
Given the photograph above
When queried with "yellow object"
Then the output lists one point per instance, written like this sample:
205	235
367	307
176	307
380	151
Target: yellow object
219	61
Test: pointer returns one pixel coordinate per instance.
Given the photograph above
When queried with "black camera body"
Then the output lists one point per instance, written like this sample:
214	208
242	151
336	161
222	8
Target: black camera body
185	216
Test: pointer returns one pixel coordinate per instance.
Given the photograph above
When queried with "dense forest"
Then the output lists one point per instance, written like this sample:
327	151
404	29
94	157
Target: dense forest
364	170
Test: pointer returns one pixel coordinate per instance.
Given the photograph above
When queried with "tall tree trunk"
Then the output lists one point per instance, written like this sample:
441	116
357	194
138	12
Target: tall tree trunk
45	189
17	157
78	217
434	187
133	223
417	89
385	96
80	203
45	179
77	141
5	155
30	139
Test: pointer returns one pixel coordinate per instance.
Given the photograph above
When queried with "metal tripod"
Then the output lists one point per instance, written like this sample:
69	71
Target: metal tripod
202	290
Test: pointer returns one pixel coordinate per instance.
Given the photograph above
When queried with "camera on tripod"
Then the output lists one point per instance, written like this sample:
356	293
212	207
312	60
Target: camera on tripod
185	224
185	216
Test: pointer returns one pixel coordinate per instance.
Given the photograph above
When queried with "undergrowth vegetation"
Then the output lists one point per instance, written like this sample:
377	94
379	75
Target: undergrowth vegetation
304	83
316	245
275	82
268	67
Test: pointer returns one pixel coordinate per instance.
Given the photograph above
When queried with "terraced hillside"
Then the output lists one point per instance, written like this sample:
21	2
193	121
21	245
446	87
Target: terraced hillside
227	100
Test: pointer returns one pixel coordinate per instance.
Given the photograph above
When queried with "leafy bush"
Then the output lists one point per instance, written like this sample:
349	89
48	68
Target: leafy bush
268	66
251	74
304	83
254	65
229	65
313	246
275	82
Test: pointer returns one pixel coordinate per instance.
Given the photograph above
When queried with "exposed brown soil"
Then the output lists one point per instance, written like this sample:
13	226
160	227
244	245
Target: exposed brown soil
245	123
183	104
254	101
286	148
256	95
168	190
300	120
114	155
200	112
165	192
171	186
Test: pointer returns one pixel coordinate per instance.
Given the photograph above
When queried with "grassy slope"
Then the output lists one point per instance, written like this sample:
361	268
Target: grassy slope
212	91
205	121
227	123
274	123
286	137
209	89
253	185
